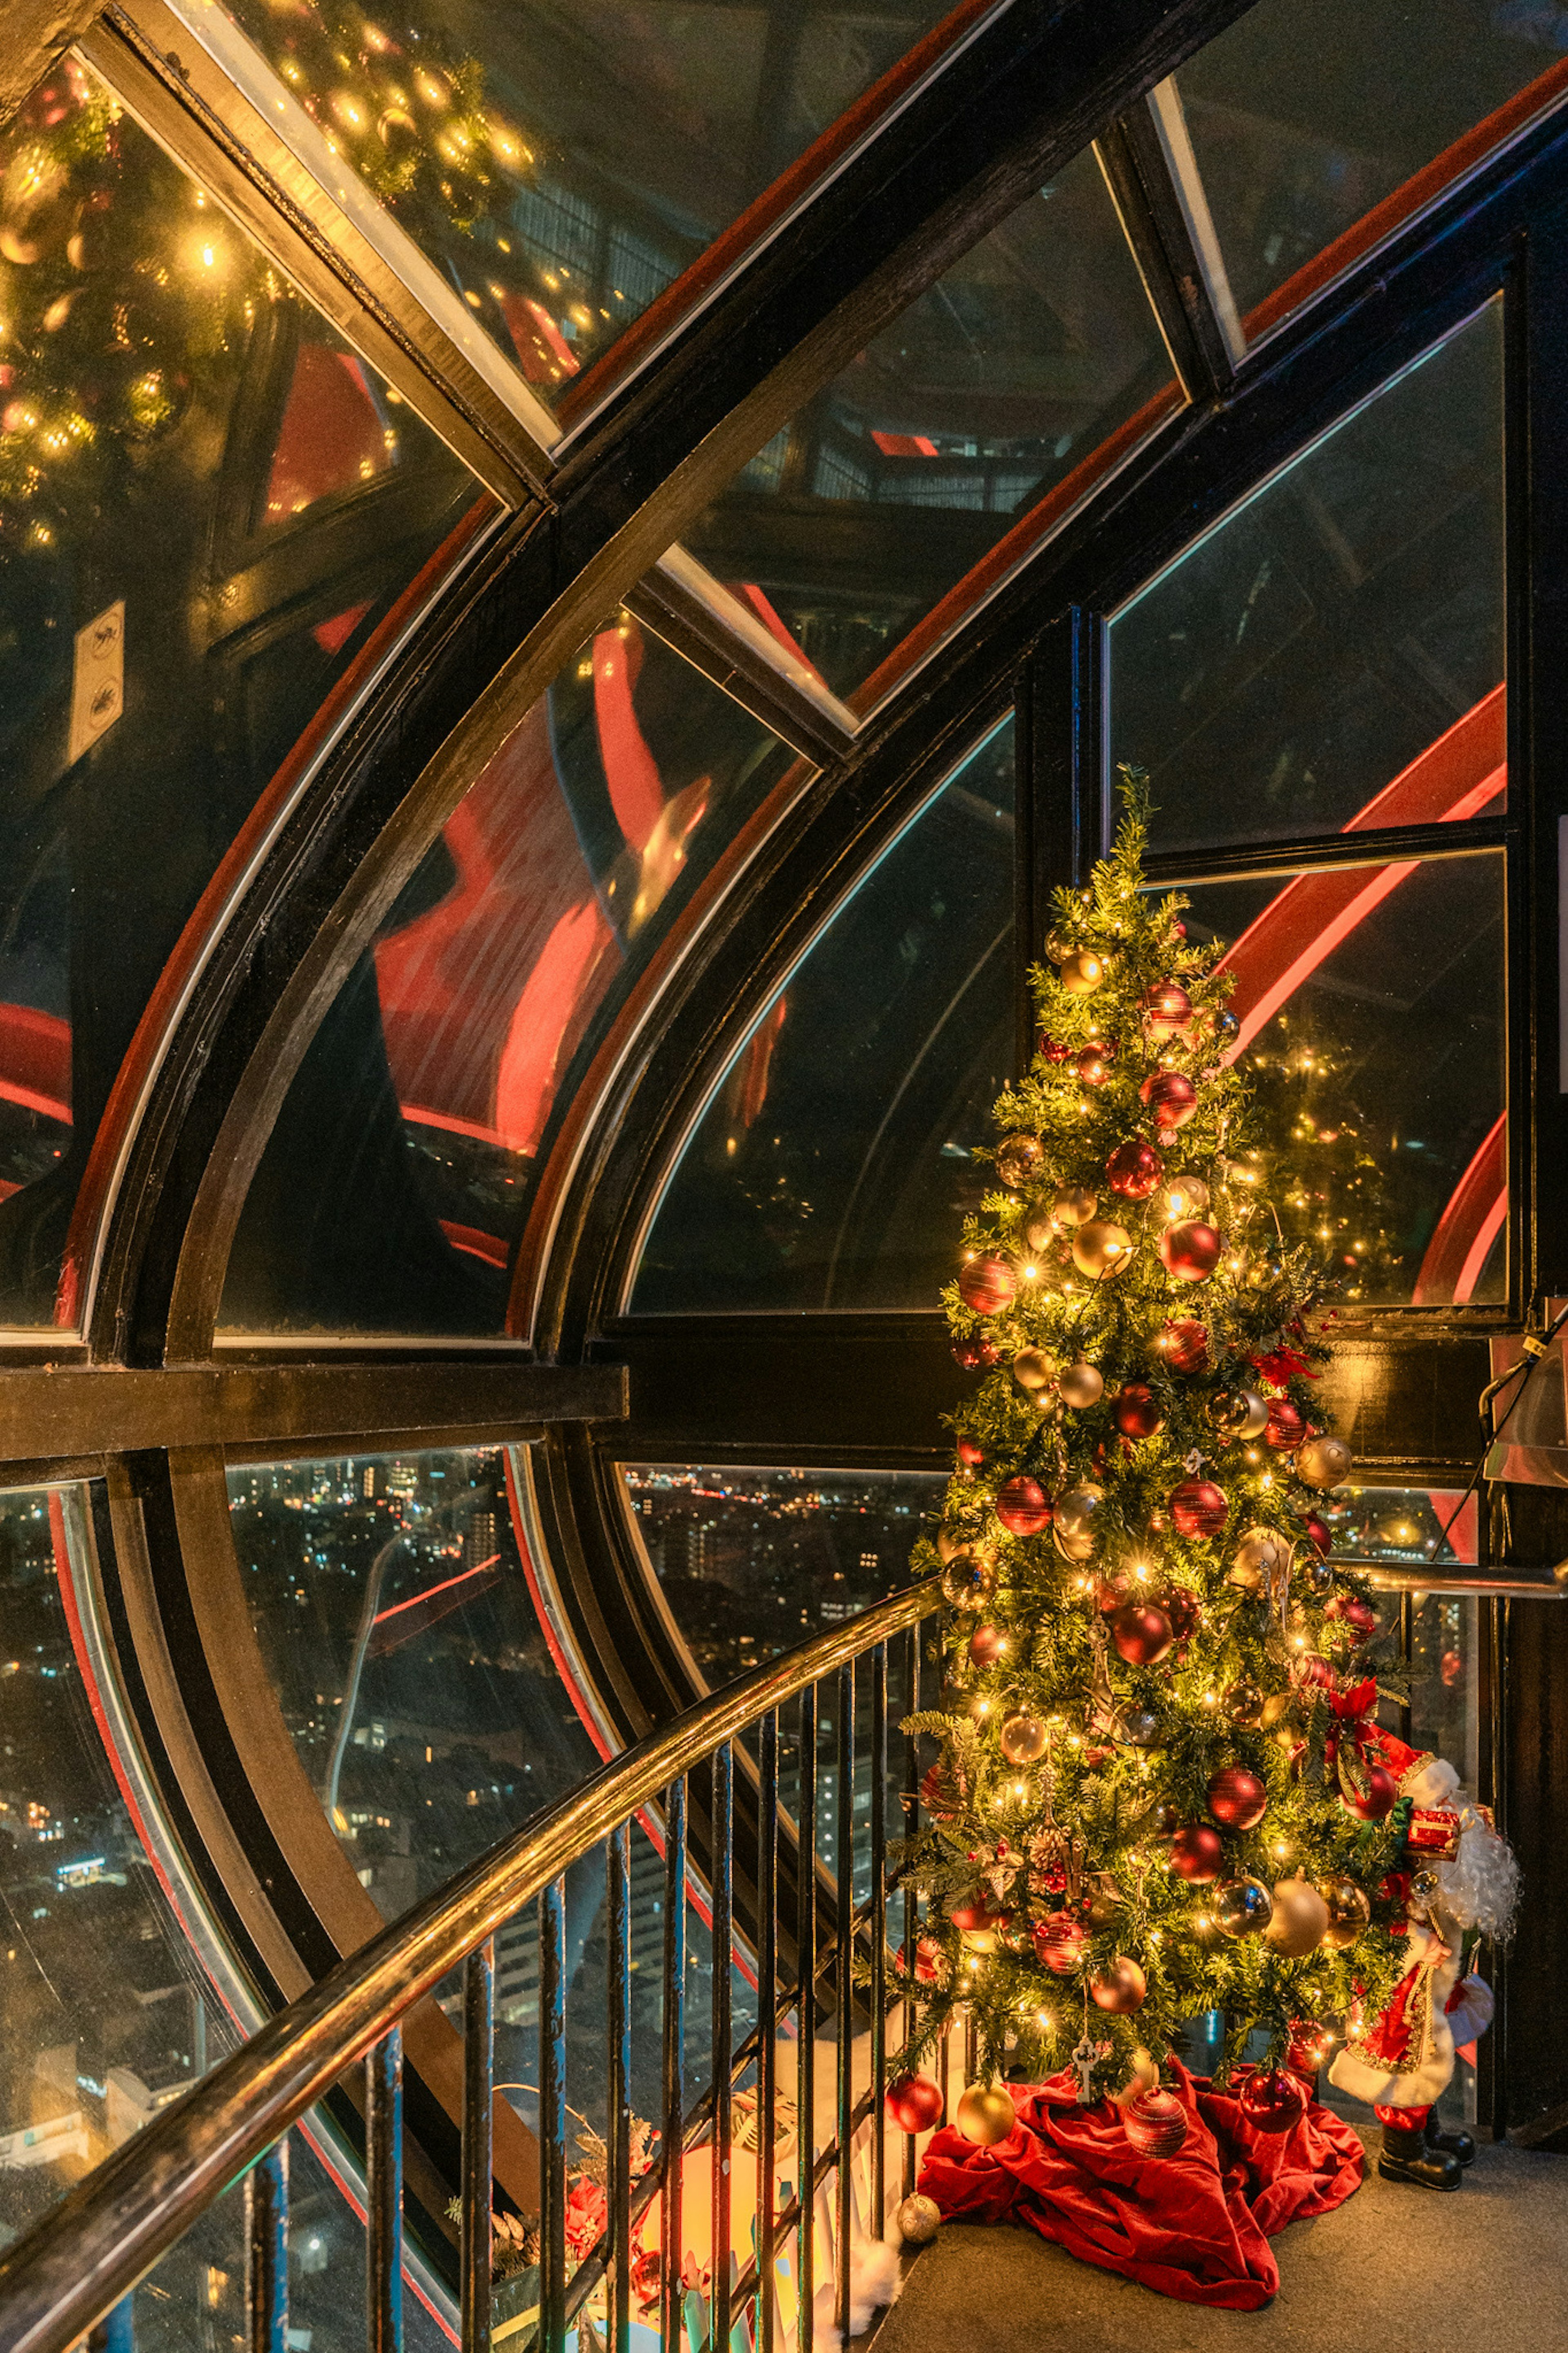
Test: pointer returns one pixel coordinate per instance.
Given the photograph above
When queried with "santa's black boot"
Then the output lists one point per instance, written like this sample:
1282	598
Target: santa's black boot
1460	2146
1406	2158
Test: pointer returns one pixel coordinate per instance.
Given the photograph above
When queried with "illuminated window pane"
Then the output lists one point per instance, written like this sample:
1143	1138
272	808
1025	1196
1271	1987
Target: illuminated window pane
400	1171
833	1164
1370	1001
990	390
1332	655
1405	1527
1305	115
208	510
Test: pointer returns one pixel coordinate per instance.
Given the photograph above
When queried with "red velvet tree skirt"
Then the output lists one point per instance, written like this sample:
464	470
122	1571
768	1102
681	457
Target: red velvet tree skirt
1196	2225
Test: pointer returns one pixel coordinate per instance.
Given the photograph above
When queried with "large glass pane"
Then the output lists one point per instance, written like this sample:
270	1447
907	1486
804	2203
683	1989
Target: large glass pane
400	1170
990	390
1406	1527
1371	1004
1332	654
208	509
833	1164
1305	114
561	164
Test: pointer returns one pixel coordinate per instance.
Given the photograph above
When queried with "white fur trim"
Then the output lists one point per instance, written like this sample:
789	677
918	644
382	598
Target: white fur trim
1472	2014
1431	1783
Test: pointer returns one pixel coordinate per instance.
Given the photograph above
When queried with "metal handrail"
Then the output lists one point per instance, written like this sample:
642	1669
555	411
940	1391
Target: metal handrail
73	2268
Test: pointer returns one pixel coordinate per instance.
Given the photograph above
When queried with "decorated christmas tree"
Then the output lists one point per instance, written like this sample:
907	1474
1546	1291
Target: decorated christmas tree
1158	1791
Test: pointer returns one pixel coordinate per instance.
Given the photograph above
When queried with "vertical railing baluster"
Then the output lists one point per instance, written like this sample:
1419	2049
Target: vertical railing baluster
478	2127
266	2251
767	2012
879	1934
618	2186
723	2089
383	2193
552	2116
805	2050
673	2131
844	1972
911	1905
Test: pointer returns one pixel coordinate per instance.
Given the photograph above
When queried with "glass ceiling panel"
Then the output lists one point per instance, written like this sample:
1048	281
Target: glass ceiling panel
991	391
563	164
399	1174
1305	115
211	515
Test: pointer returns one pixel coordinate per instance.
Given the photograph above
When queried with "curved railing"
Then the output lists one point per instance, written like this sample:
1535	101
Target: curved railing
71	2271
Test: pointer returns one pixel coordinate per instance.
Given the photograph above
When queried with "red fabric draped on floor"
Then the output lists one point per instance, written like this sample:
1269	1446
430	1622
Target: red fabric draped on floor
1196	2225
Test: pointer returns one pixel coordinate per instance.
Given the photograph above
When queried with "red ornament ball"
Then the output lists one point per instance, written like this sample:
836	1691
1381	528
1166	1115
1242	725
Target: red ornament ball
1093	1065
969	1454
1121	1987
1136	1412
1238	1798
1272	2100
914	2103
1171	1096
1190	1250
1134	1170
986	1284
1184	1343
986	1645
1380	1799
1023	1507
1317	1534
1197	1853
1167	1009
1154	2121
1286	1428
975	1355
1198	1508
1053	1050
974	1910
1143	1633
1060	1942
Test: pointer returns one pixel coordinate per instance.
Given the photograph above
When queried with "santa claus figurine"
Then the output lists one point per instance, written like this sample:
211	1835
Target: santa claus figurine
1459	1875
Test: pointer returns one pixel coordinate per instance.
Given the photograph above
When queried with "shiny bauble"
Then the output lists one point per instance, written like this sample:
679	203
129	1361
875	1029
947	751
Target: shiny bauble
1093	1065
1060	1943
1261	1554
986	2114
1243	1705
1023	1738
1190	1250
1319	1573
1101	1250
1324	1461
1080	1385
1020	1159
1226	1026
1353	1611
986	1645
1023	1507
1081	971
1034	1370
1198	1509
1184	1345
1272	2100
1317	1533
1197	1854
1080	1510
1138	1727
1171	1096
1053	1050
1135	1410
1237	1414
986	1284
1242	1907
1133	1170
1301	1920
1163	1822
974	1913
971	1454
1120	1988
1103	1898
1074	1548
1285	1425
1182	1198
1072	1205
968	1582
1154	2121
976	1354
1378	1799
914	2103
1167	1009
1142	1633
1236	1798
1350	1912
918	2219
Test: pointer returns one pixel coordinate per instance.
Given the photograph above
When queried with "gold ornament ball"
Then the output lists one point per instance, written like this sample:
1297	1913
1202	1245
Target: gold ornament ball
986	2114
1074	1548
1301	1920
1033	1370
1023	1738
1101	1249
968	1582
1080	1510
1244	1704
1182	1198
1121	1987
1324	1461
918	2219
1020	1158
1081	971
1072	1205
1349	1913
1261	1553
1041	1233
1080	1385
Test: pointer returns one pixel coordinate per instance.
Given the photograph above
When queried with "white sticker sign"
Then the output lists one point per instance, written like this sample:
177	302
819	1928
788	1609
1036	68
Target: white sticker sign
97	681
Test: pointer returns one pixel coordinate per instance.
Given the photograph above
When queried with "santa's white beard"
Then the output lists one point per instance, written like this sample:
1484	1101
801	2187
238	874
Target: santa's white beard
1481	1886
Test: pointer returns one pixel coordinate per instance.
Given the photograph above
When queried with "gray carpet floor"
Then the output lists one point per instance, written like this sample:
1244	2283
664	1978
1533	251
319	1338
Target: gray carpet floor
1484	2270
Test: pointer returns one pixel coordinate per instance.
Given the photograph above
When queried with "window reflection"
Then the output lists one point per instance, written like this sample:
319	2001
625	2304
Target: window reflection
400	1171
833	1164
207	508
1332	655
1408	1528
